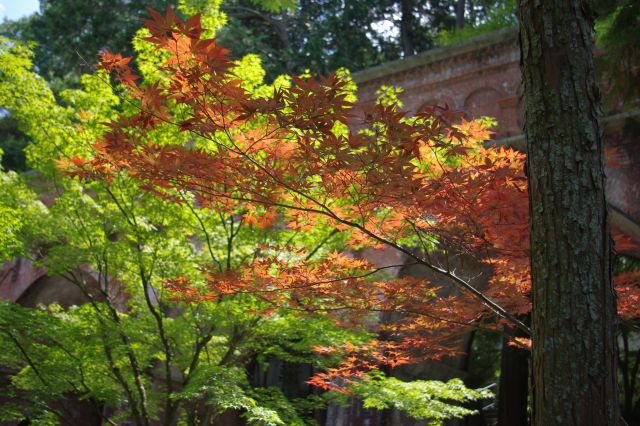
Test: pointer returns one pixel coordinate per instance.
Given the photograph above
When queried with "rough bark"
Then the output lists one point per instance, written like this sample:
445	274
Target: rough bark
574	351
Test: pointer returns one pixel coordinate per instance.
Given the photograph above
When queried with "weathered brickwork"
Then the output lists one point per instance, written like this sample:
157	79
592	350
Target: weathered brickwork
482	77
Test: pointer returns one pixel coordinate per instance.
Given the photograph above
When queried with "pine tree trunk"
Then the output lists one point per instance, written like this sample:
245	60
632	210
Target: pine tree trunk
574	352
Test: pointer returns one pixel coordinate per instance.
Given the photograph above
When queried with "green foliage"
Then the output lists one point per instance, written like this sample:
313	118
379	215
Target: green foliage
211	15
389	96
120	231
290	337
420	399
38	115
617	24
22	216
133	241
618	33
10	225
272	398
225	388
501	15
69	33
12	144
276	6
484	365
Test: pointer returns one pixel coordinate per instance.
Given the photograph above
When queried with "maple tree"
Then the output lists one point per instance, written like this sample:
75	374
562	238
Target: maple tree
114	243
291	159
135	350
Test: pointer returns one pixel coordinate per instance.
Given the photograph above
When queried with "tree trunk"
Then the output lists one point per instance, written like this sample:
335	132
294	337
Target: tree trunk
513	393
406	27
574	350
460	4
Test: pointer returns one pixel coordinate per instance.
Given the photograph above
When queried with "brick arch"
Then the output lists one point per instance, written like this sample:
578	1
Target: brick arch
16	276
47	290
484	101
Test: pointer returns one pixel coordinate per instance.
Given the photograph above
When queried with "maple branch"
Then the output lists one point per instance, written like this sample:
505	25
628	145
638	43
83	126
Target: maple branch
204	230
146	288
316	283
120	379
486	301
195	360
143	417
327	212
26	356
470	323
83	381
35	369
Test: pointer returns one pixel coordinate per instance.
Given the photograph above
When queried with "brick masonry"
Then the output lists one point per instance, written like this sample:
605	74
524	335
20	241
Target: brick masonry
481	76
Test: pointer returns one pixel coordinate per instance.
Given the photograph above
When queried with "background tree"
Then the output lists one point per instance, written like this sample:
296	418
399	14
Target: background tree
327	35
293	36
69	30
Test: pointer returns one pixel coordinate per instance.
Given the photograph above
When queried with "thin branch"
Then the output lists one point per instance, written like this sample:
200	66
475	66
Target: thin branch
26	357
320	244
